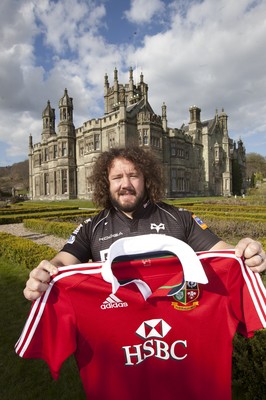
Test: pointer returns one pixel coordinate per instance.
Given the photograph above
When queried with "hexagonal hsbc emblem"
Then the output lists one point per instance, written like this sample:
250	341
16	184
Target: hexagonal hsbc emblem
186	298
154	328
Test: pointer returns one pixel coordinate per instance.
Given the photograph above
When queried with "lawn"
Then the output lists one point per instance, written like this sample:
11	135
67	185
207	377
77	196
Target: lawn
20	378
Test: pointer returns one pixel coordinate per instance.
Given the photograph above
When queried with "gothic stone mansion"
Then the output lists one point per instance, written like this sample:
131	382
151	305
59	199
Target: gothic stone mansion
197	158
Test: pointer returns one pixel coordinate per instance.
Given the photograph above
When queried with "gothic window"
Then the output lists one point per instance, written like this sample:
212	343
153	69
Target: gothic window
97	142
81	148
55	151
46	154
112	136
46	184
180	184
173	180
173	149
37	160
55	183
64	149
111	142
64	180
180	153
140	137
145	137
88	174
37	185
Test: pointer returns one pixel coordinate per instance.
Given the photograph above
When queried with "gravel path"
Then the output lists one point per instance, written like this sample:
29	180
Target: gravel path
40	238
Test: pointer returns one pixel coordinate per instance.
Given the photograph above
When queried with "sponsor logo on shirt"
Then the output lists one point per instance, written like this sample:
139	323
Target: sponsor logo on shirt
199	222
113	301
113	235
158	227
152	331
71	239
186	298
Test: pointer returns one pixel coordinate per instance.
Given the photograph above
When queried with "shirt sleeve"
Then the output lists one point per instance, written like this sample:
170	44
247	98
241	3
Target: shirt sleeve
198	234
78	243
248	299
50	330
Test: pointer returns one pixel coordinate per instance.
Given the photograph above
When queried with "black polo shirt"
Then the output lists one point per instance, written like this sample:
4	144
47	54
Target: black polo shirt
92	239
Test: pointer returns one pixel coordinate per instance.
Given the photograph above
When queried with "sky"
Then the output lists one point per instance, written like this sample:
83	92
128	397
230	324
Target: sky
208	53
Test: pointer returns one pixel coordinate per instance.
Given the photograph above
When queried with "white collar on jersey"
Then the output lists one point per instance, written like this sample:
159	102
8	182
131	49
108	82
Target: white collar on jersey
144	244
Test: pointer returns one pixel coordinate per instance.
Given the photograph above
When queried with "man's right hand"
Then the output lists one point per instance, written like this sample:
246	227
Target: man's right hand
39	279
40	276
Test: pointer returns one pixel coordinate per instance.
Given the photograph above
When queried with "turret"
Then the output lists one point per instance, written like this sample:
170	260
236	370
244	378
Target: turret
48	120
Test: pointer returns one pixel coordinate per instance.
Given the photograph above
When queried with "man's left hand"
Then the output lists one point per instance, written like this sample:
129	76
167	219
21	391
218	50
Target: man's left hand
253	252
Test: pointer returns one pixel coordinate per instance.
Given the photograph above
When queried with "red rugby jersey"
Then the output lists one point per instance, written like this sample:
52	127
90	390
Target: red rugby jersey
138	332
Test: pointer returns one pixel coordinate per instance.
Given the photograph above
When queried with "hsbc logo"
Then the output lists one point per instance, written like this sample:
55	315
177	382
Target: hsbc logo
156	328
152	331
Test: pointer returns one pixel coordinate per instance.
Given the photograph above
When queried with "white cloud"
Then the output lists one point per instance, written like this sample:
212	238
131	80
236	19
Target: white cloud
212	54
143	11
64	22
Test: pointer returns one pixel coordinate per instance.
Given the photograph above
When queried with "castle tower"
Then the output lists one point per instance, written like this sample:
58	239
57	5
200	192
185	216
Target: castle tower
48	121
65	126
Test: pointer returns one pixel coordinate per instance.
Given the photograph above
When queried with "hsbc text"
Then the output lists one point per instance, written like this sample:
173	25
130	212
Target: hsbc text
155	348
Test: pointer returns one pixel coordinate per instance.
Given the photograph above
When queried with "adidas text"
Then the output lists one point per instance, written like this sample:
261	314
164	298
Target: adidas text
114	305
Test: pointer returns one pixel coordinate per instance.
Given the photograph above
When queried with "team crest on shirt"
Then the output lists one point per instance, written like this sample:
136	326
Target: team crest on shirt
186	299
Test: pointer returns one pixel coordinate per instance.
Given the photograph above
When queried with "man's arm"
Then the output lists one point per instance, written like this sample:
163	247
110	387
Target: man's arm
250	249
40	276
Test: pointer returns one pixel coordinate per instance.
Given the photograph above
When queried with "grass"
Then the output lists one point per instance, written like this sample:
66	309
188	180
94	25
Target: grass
21	378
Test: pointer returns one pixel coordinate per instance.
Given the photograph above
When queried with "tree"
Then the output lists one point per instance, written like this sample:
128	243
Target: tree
255	163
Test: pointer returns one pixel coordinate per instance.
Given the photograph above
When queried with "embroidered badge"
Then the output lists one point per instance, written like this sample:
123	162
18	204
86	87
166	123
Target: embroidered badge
186	298
199	222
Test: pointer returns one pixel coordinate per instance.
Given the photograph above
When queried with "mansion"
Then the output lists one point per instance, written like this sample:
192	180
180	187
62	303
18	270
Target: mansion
198	158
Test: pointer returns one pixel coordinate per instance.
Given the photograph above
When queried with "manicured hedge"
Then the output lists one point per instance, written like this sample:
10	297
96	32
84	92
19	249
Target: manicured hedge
24	251
60	229
64	214
249	366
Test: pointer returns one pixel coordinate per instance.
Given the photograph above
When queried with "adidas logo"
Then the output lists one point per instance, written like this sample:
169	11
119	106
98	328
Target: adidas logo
113	302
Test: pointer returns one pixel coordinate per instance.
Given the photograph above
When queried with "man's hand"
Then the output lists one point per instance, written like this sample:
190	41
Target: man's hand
39	279
253	253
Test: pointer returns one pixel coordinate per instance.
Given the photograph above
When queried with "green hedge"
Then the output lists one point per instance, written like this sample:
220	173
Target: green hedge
18	218
61	229
249	366
24	251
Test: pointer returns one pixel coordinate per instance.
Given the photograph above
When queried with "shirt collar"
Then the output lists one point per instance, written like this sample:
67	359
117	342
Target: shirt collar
145	244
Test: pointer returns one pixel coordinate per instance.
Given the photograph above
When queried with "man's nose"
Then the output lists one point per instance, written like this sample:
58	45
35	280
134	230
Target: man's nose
126	182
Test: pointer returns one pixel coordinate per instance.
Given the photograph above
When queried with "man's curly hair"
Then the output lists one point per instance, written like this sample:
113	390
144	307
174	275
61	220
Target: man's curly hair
144	162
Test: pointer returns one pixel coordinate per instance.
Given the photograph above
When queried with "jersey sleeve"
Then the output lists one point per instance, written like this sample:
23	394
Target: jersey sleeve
248	299
78	244
49	332
198	234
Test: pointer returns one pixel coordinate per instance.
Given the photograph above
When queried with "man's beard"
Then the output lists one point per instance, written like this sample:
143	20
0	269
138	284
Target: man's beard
130	207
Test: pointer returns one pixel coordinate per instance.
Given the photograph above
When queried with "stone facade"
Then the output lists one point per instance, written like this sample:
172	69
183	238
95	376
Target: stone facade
197	158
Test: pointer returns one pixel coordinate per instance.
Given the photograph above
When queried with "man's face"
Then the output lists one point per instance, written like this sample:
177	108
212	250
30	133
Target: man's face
127	187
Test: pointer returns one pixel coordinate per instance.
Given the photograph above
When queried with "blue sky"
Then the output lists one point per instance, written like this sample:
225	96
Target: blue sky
209	53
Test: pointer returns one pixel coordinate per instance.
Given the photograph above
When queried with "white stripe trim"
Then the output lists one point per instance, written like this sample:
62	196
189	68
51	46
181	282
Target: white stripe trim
255	277
43	300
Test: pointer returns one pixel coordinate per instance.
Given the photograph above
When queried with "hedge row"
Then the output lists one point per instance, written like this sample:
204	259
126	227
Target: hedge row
31	209
223	207
61	229
249	366
23	251
18	218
